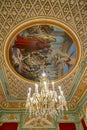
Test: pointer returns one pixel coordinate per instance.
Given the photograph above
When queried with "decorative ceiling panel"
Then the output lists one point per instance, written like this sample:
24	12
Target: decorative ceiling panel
14	14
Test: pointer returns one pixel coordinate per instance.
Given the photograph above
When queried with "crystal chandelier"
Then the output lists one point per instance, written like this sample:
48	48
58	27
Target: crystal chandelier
45	101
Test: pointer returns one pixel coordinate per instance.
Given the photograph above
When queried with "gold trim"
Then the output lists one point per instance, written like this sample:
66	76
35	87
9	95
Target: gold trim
85	91
3	90
1	123
41	21
79	82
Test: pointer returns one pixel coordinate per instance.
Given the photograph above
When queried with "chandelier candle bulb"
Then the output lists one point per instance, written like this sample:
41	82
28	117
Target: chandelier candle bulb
45	85
36	88
29	93
29	90
53	85
43	74
61	92
59	88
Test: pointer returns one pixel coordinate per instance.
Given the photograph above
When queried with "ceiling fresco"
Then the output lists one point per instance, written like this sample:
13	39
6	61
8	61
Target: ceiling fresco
60	49
42	46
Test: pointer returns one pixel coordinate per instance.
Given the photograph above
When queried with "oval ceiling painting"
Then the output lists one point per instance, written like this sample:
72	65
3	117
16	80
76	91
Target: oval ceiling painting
42	47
